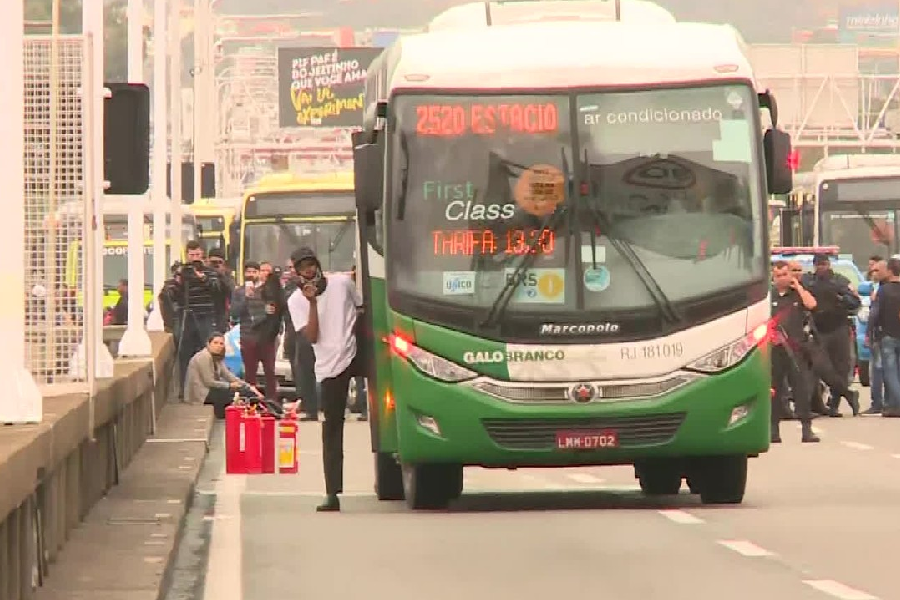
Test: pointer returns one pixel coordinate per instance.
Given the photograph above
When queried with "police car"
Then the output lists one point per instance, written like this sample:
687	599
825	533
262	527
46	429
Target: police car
842	264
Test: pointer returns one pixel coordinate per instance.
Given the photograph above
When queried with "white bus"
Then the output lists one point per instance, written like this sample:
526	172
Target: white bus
476	14
564	260
857	199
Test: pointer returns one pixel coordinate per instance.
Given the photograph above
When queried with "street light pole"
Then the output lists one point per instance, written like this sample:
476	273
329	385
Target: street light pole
158	187
201	18
92	24
136	341
22	403
175	107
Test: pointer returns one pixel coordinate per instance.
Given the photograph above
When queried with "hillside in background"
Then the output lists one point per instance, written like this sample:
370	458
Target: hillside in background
758	20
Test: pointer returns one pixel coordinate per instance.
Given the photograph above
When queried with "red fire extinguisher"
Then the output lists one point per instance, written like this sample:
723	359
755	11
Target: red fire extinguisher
243	443
268	433
288	430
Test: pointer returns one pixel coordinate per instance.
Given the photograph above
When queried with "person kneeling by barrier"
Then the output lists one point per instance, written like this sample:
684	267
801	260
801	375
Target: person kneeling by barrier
208	380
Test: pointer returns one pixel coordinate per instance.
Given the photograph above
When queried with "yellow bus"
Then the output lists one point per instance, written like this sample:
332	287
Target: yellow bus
283	211
68	221
115	269
215	217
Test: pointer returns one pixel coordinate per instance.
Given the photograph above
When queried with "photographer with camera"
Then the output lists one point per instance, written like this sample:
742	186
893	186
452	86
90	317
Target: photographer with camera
258	306
191	302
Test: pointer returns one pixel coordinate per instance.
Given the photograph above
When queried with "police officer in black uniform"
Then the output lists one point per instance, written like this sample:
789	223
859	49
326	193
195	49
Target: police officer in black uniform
791	304
836	301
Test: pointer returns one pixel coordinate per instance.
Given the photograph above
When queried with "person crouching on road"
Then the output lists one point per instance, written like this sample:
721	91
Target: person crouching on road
790	306
323	310
209	381
258	306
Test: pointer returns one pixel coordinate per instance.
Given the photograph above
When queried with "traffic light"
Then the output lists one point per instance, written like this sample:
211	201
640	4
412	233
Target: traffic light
794	161
207	181
126	139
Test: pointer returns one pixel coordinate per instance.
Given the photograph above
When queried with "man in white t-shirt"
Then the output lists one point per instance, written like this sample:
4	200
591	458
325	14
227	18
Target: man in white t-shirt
323	310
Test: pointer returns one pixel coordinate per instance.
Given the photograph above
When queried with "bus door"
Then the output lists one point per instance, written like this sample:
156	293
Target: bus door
369	174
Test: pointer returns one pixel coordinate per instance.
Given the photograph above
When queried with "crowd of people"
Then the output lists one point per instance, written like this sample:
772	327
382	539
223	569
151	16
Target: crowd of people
201	301
811	316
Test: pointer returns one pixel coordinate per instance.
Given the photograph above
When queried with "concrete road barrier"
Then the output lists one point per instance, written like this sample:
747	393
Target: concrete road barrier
53	473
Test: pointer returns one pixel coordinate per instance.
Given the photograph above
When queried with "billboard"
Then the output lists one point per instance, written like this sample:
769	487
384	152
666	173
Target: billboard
875	25
322	87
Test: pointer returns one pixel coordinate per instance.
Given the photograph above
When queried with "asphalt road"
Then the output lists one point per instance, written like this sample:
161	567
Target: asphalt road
818	522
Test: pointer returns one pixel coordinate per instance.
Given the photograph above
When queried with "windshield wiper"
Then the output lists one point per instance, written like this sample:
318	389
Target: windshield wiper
515	279
404	179
338	237
626	250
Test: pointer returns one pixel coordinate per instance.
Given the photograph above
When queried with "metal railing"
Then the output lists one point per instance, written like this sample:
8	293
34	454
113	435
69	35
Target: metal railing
54	205
853	111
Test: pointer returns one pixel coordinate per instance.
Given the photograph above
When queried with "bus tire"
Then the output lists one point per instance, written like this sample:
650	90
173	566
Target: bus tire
431	486
723	479
388	478
659	478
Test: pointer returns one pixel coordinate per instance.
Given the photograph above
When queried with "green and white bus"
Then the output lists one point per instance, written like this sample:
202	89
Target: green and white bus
565	254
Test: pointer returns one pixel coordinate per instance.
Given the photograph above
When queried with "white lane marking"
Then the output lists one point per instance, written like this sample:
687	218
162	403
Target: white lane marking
857	445
224	575
289	494
745	548
839	590
681	517
895	455
584	478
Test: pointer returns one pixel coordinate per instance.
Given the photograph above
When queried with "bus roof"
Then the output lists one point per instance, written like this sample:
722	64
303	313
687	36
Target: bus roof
291	182
857	166
215	206
563	55
111	205
473	14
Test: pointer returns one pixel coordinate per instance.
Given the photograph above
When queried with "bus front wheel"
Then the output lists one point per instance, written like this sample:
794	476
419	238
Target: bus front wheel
720	479
388	478
431	486
659	478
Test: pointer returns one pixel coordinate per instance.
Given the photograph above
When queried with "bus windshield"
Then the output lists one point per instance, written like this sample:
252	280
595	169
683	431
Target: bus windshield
862	233
333	240
668	198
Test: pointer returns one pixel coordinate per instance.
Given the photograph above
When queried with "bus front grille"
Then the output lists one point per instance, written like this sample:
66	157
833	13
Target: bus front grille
540	434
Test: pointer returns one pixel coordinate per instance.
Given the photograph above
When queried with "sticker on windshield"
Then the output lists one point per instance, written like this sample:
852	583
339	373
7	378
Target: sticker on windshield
596	280
459	283
593	253
734	143
539	286
540	189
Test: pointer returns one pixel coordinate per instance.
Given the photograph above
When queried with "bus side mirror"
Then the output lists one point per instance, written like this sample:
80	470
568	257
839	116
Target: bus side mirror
368	173
777	148
865	288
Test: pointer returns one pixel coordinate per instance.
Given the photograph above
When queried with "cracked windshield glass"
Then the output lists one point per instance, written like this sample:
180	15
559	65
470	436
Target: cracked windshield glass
461	299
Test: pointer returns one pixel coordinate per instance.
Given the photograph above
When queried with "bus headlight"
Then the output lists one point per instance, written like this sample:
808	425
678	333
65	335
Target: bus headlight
732	353
430	364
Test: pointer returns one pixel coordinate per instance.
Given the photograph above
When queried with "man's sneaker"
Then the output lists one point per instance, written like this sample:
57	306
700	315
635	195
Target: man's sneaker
331	504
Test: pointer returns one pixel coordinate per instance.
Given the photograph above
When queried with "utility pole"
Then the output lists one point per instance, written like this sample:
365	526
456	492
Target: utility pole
136	341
